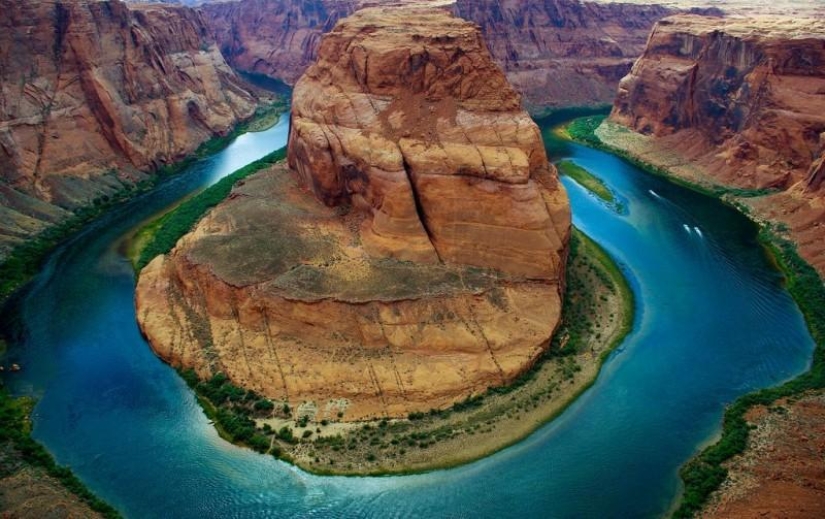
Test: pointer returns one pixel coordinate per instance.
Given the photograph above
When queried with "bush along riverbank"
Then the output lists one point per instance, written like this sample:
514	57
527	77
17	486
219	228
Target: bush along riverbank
25	463
706	472
25	260
159	236
597	315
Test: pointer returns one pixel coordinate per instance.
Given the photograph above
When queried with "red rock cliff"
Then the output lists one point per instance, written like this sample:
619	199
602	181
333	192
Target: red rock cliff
424	131
278	38
556	53
94	92
563	52
414	255
743	101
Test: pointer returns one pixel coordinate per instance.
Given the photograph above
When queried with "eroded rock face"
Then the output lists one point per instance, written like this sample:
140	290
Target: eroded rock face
750	94
415	123
563	52
412	256
277	38
95	92
743	101
558	53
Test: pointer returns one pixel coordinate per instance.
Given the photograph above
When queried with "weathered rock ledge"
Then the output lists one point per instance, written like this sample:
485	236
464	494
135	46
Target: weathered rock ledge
412	256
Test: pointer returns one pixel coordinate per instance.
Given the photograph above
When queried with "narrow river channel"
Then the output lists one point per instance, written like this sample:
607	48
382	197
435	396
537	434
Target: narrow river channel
713	322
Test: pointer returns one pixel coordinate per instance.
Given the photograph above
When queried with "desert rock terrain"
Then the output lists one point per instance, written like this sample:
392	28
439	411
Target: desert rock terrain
94	95
411	256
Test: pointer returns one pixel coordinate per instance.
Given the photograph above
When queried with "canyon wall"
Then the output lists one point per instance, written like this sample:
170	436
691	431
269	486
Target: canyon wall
415	250
556	53
739	102
563	52
277	38
94	93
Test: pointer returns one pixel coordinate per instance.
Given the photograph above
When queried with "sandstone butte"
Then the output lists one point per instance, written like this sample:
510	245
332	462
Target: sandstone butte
737	102
555	53
95	94
413	253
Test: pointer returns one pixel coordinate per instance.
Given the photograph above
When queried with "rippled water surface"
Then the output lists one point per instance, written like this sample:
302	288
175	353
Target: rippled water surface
713	322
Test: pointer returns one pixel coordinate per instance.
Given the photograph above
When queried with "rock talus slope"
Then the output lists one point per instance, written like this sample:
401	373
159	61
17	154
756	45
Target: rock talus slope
414	253
742	102
95	92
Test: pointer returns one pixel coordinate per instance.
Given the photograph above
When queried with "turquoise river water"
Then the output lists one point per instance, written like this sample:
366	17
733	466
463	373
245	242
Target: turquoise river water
713	322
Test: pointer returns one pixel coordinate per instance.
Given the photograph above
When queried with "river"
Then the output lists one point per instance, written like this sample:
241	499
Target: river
713	322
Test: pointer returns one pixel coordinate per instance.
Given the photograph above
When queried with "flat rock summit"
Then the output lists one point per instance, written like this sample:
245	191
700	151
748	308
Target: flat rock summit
411	255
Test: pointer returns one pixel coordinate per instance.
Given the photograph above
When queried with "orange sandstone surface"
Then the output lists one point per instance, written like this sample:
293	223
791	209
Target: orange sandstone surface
411	255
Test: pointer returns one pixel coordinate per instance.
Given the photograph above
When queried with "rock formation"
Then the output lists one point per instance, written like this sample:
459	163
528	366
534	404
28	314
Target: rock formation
563	52
412	256
95	92
742	101
556	53
277	38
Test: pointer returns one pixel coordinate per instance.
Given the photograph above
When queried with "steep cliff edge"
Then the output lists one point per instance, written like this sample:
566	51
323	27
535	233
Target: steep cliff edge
736	102
93	93
414	253
557	53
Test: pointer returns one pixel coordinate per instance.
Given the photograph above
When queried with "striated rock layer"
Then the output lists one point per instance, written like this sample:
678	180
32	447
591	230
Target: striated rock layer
563	52
94	92
556	53
412	256
276	38
742	100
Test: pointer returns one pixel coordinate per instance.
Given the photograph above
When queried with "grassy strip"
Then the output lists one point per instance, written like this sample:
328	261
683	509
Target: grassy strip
15	429
586	179
181	220
705	472
556	116
144	236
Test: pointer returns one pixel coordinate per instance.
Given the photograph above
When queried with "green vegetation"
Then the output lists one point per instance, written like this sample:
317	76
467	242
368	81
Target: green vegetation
587	180
16	442
169	229
555	117
233	409
583	129
705	473
580	301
